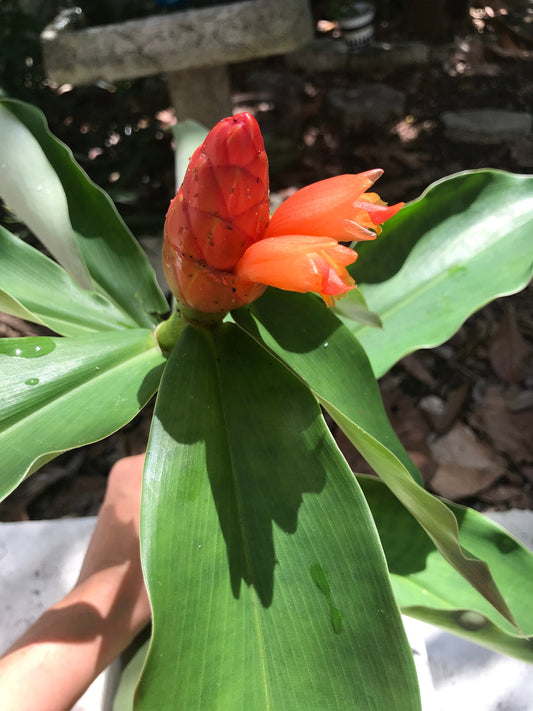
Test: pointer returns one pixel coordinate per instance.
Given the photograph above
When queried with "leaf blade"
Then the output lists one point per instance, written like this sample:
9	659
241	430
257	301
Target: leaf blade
262	573
39	290
463	243
334	365
37	195
427	588
115	260
60	393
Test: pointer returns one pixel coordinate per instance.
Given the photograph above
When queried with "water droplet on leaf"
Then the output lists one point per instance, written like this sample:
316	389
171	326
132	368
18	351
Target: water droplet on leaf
31	347
321	580
470	620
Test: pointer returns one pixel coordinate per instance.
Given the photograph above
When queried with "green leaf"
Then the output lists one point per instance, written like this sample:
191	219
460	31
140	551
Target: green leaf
428	588
37	289
129	679
60	393
188	135
313	342
465	242
333	364
266	578
33	191
115	260
354	307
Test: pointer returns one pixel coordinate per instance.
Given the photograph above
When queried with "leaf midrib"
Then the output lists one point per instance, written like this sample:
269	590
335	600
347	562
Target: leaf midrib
246	548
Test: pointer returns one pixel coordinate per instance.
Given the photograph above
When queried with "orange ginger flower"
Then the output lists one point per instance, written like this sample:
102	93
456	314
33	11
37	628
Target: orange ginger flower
221	251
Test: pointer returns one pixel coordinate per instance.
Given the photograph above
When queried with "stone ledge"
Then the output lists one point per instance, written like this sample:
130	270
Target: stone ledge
486	126
210	36
334	55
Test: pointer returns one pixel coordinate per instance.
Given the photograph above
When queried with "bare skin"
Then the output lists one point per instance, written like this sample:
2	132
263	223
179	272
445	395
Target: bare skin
59	656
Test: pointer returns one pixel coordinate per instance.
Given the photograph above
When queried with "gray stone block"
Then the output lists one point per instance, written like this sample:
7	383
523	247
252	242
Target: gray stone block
486	126
208	36
372	105
334	55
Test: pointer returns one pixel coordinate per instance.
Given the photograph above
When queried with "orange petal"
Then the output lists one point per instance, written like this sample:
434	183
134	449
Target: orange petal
326	208
377	210
299	263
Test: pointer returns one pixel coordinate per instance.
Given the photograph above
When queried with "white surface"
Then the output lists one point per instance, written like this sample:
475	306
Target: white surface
416	632
40	561
467	677
501	683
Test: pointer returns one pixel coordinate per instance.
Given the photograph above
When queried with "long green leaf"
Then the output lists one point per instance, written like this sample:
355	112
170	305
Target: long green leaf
115	260
32	189
37	289
465	242
264	571
428	588
60	393
354	307
334	365
188	135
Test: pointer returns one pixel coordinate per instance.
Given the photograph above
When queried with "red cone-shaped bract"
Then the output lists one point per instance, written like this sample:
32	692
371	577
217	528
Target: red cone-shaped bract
221	209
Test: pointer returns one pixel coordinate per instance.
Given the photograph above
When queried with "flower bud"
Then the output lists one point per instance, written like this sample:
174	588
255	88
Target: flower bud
221	209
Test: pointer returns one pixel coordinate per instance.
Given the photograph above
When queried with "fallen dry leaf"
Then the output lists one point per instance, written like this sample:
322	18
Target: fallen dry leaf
465	466
412	429
13	327
442	414
505	494
414	366
511	431
508	350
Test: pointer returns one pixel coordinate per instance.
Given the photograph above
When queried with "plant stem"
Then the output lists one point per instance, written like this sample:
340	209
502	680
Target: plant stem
168	332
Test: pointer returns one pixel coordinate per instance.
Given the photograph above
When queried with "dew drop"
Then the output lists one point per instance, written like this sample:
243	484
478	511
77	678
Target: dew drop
32	347
470	620
326	344
320	578
32	381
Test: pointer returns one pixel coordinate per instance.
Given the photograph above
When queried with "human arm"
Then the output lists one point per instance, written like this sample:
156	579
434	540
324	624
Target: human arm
58	657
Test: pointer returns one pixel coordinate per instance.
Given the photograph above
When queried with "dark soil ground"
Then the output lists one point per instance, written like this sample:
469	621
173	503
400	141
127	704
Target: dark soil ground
463	410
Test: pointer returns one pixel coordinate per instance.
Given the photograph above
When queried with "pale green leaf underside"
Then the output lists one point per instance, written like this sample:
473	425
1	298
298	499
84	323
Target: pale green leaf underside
31	188
114	258
188	135
428	588
59	393
37	289
266	579
465	242
353	306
